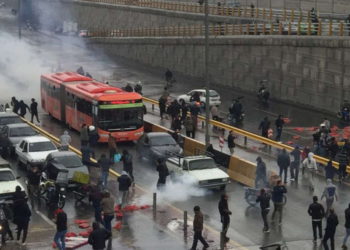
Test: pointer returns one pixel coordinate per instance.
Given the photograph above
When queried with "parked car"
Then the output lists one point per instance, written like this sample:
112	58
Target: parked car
8	183
12	134
69	160
32	151
214	97
4	163
9	118
156	145
201	168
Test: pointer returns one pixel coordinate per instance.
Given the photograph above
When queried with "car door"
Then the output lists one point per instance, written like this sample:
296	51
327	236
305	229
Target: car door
19	150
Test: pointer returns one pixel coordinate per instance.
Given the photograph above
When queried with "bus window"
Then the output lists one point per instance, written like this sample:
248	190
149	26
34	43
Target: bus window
131	118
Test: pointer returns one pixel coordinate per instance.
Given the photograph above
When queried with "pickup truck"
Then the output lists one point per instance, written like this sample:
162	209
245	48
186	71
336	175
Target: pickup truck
202	168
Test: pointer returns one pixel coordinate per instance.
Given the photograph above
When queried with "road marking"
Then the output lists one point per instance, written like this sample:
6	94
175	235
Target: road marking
45	218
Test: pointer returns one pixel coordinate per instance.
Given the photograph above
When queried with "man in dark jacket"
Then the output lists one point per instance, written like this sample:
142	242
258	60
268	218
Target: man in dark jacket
231	142
61	226
15	105
260	174
163	173
34	110
86	154
95	198
343	162
104	163
347	227
264	200
162	106
277	197
34	176
279	127
225	216
295	164
332	222
23	108
283	161
127	163
198	228
98	237
124	185
316	211
264	126
21	217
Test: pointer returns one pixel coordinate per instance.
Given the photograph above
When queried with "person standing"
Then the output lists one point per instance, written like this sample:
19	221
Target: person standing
264	127
329	170
127	163
61	227
330	193
214	113
112	146
105	165
277	197
260	175
198	228
84	135
295	164
347	227
162	106
163	173
184	110
195	110
107	204
33	177
23	108
96	198
316	211
279	127
15	105
264	200
189	127
310	167
93	136
97	238
21	217
283	161
124	185
34	110
332	223
231	142
86	154
343	162
65	140
224	215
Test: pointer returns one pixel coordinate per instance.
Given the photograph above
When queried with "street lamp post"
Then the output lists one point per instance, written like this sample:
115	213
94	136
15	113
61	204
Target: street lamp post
206	72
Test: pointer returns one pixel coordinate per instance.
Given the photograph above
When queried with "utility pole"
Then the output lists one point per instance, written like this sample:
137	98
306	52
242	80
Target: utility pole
206	72
19	19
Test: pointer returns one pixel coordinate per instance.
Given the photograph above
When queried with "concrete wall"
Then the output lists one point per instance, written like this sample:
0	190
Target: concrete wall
307	71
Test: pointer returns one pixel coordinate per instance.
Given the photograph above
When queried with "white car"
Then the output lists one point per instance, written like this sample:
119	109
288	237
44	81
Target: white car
32	151
8	183
201	168
214	97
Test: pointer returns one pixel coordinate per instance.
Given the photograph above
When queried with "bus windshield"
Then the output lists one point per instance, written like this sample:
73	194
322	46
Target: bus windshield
120	119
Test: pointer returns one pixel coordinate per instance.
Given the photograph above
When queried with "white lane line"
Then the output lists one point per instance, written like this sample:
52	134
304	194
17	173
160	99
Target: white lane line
45	218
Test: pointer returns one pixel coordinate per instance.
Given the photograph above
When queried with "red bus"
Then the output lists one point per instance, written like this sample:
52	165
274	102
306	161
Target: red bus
75	99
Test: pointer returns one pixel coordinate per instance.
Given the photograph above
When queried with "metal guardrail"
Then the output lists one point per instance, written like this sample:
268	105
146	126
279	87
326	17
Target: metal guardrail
282	28
248	12
253	136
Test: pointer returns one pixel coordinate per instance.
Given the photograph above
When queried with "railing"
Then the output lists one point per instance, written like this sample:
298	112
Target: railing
248	12
282	28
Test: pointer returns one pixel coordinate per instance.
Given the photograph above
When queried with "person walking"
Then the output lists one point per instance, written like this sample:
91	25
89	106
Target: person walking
343	162
330	193
86	154
189	127
23	108
21	217
93	136
198	228
347	227
84	135
264	200
295	164
61	230
96	198
309	168
332	223
34	110
33	178
283	161
224	215
316	211
231	142
163	173
330	170
260	174
112	146
107	204
124	185
195	111
105	164
264	127
65	140
127	164
97	238
279	127
277	197
15	105
162	106
184	110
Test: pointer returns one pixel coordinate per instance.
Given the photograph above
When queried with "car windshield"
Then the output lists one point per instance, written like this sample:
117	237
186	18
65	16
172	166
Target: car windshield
162	140
69	161
213	93
202	164
6	176
120	119
41	146
22	132
10	120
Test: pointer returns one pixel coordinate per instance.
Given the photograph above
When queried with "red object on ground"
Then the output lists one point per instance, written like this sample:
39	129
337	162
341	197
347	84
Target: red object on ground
119	215
334	134
81	221
84	225
71	234
299	129
145	206
117	208
54	245
85	234
118	225
312	128
296	137
130	208
286	120
290	142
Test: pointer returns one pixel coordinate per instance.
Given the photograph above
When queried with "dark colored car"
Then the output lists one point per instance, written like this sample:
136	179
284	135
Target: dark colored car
157	145
69	160
9	118
12	134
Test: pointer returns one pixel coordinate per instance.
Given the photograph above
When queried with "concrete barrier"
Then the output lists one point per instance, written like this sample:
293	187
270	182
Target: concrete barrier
242	171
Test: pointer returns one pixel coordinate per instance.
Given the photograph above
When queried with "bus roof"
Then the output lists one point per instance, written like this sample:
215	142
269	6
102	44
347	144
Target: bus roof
66	77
